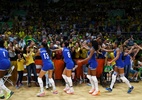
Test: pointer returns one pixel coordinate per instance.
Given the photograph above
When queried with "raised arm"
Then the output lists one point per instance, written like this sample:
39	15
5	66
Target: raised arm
136	53
130	51
139	47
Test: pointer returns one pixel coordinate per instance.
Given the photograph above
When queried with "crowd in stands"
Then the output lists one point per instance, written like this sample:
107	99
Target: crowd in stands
75	21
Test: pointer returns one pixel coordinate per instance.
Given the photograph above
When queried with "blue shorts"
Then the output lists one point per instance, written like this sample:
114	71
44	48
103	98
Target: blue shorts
119	64
133	71
4	64
70	65
48	66
93	65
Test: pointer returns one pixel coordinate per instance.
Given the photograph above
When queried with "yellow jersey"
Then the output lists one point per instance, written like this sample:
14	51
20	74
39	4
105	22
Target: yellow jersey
20	64
83	53
77	53
29	58
111	56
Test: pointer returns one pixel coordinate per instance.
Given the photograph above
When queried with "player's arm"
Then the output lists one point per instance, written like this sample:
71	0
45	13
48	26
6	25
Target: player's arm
117	56
130	51
107	50
90	55
139	47
57	50
37	53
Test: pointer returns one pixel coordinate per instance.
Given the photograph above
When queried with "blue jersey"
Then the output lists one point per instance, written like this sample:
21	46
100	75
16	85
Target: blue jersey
44	56
119	61
4	59
3	54
93	58
93	62
127	60
67	55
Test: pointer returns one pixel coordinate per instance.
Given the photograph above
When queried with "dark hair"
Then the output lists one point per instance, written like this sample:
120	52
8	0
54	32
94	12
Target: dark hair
24	49
117	43
1	43
66	43
95	44
44	44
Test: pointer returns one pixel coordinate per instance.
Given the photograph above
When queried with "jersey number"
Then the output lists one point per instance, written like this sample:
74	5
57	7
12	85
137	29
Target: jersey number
68	53
4	54
45	55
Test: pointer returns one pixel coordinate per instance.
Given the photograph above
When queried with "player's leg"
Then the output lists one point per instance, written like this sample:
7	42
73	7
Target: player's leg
91	81
95	82
48	84
9	93
65	79
70	83
41	74
50	72
2	73
113	79
124	79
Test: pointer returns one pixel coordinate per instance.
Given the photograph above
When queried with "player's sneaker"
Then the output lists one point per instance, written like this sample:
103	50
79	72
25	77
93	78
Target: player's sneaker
66	89
109	89
2	96
41	94
130	89
8	95
95	93
70	91
55	92
91	91
50	85
46	86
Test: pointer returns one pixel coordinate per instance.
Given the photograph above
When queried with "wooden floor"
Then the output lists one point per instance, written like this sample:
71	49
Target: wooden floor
81	93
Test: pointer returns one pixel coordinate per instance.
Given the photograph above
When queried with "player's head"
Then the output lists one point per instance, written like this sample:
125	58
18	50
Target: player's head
93	43
1	43
44	44
116	44
65	44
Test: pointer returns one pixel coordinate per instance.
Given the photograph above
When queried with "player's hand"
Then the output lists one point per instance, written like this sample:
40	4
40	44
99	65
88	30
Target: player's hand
79	61
73	69
109	62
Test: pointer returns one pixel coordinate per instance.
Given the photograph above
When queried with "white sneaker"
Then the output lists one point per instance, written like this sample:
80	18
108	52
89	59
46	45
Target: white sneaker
46	87
91	91
41	94
70	91
50	85
66	89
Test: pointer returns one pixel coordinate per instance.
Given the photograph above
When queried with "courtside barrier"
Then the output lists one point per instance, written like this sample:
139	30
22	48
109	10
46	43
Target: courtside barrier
59	67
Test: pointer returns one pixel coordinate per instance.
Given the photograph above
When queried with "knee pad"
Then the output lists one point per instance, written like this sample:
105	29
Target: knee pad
89	77
39	80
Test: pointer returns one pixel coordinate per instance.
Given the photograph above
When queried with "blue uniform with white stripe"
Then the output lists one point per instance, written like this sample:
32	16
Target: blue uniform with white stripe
119	61
47	63
67	58
4	59
93	62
